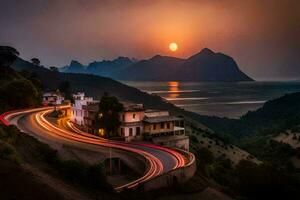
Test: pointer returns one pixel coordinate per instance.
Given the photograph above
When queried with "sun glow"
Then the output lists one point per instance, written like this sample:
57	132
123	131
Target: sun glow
173	46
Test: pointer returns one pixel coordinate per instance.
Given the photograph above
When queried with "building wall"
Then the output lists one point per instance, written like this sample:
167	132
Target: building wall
78	112
157	128
130	132
179	142
132	116
77	116
52	99
180	175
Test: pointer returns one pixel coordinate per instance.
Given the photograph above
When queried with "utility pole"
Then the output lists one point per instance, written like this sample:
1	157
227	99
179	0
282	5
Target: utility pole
110	161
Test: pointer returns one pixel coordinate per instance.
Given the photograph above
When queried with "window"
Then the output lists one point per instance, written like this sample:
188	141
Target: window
123	117
154	126
162	125
138	130
122	132
133	116
168	125
130	131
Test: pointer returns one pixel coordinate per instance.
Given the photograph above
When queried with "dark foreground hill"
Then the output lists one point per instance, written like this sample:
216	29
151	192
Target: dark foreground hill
275	116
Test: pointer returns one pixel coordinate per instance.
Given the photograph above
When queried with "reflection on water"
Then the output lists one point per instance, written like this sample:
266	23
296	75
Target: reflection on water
220	99
173	89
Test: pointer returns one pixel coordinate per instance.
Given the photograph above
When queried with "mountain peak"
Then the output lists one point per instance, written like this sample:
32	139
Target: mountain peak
156	57
206	51
76	63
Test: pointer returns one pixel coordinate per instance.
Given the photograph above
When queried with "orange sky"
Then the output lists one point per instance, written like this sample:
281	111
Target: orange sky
262	36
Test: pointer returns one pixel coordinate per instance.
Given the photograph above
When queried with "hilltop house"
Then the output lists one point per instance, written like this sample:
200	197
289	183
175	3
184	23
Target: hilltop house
80	114
137	123
53	98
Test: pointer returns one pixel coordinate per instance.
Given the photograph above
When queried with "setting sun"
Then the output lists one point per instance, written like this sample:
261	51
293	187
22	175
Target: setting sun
173	46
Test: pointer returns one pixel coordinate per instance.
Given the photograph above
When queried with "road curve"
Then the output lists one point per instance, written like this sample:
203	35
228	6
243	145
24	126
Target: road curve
159	159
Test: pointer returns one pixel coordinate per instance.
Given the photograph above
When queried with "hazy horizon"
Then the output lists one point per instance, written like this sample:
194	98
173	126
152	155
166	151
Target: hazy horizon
262	36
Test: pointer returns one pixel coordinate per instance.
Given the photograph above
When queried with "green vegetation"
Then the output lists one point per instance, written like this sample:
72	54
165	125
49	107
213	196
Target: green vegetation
21	148
16	91
35	61
267	149
19	94
22	90
247	180
108	115
274	178
65	88
274	117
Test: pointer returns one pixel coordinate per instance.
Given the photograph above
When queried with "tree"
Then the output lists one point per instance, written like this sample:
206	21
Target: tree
204	159
35	61
265	181
19	93
54	69
8	55
65	88
107	117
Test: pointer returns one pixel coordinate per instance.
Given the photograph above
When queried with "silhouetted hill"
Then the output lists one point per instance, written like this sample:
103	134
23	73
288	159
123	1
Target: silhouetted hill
108	67
17	90
74	67
203	66
101	68
274	117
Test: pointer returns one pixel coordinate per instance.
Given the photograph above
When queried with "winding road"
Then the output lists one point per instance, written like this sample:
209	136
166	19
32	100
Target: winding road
159	159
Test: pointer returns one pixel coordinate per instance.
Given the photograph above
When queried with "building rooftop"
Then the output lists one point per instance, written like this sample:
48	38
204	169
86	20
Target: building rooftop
161	119
128	106
52	93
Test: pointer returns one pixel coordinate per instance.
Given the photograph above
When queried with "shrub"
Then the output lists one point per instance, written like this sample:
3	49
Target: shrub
194	139
8	152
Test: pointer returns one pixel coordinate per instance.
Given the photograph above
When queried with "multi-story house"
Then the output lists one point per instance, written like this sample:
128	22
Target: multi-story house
164	129
80	109
137	123
131	119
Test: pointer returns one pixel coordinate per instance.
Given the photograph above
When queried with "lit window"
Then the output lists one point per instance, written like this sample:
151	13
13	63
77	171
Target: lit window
101	132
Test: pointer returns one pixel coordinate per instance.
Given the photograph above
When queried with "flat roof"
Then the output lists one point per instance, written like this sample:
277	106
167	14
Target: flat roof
161	119
129	106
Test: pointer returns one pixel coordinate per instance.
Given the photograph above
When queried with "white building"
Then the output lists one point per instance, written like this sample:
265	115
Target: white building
53	98
79	108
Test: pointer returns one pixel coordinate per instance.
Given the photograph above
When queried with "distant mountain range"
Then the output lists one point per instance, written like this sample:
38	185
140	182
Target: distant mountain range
203	66
101	68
